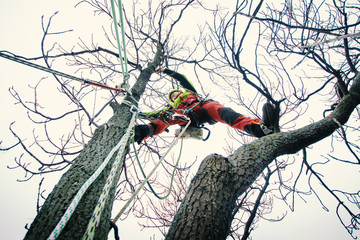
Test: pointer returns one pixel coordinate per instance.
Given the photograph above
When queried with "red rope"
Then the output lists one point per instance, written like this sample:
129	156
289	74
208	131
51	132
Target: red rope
103	86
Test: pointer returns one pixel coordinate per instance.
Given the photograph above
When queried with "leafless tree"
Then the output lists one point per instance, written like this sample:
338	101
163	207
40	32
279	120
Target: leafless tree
292	38
272	53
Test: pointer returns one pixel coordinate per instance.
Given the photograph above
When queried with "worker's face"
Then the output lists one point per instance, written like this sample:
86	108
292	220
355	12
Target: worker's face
174	95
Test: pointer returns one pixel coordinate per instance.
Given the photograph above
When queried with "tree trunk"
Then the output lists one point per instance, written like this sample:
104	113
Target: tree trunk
83	166
206	211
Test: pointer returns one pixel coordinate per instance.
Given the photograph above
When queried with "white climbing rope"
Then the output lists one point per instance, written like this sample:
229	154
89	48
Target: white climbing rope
95	218
121	147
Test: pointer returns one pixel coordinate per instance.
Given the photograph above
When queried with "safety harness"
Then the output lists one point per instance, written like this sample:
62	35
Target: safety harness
197	123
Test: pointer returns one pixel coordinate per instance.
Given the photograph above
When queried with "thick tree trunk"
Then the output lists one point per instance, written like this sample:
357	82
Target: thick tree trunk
83	166
209	202
206	211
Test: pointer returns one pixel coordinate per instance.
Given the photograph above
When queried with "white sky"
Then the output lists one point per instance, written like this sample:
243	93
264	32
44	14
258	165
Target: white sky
21	33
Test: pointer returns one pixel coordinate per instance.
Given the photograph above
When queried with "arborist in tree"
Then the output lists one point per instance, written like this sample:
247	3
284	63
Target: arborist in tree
189	105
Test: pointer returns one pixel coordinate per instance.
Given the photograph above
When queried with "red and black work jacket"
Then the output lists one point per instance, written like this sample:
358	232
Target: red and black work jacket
186	107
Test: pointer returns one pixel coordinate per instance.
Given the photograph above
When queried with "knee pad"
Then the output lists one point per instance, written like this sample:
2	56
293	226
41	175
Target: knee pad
228	115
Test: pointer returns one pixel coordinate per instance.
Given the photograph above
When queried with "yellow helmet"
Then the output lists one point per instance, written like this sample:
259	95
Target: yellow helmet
171	92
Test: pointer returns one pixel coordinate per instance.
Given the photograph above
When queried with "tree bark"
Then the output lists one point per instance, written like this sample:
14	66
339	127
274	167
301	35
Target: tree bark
83	166
63	193
206	211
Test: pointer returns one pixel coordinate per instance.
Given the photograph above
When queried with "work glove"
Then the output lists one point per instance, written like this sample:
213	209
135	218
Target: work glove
141	132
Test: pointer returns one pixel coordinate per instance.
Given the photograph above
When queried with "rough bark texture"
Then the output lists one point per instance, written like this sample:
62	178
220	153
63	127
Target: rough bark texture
210	194
93	154
206	210
81	169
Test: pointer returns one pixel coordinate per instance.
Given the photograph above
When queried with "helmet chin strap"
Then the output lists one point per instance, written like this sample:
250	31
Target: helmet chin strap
171	93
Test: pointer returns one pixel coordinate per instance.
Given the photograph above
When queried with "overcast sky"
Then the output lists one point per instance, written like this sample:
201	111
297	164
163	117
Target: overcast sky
21	33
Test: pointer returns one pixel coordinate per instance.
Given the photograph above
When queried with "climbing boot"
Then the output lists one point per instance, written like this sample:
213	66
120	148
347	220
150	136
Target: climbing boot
267	122
266	126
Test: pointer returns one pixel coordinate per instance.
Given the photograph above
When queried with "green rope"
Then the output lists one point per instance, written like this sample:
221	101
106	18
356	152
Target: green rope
117	217
123	35
123	63
172	175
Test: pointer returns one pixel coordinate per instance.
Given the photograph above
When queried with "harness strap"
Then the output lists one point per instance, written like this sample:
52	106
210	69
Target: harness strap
205	116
